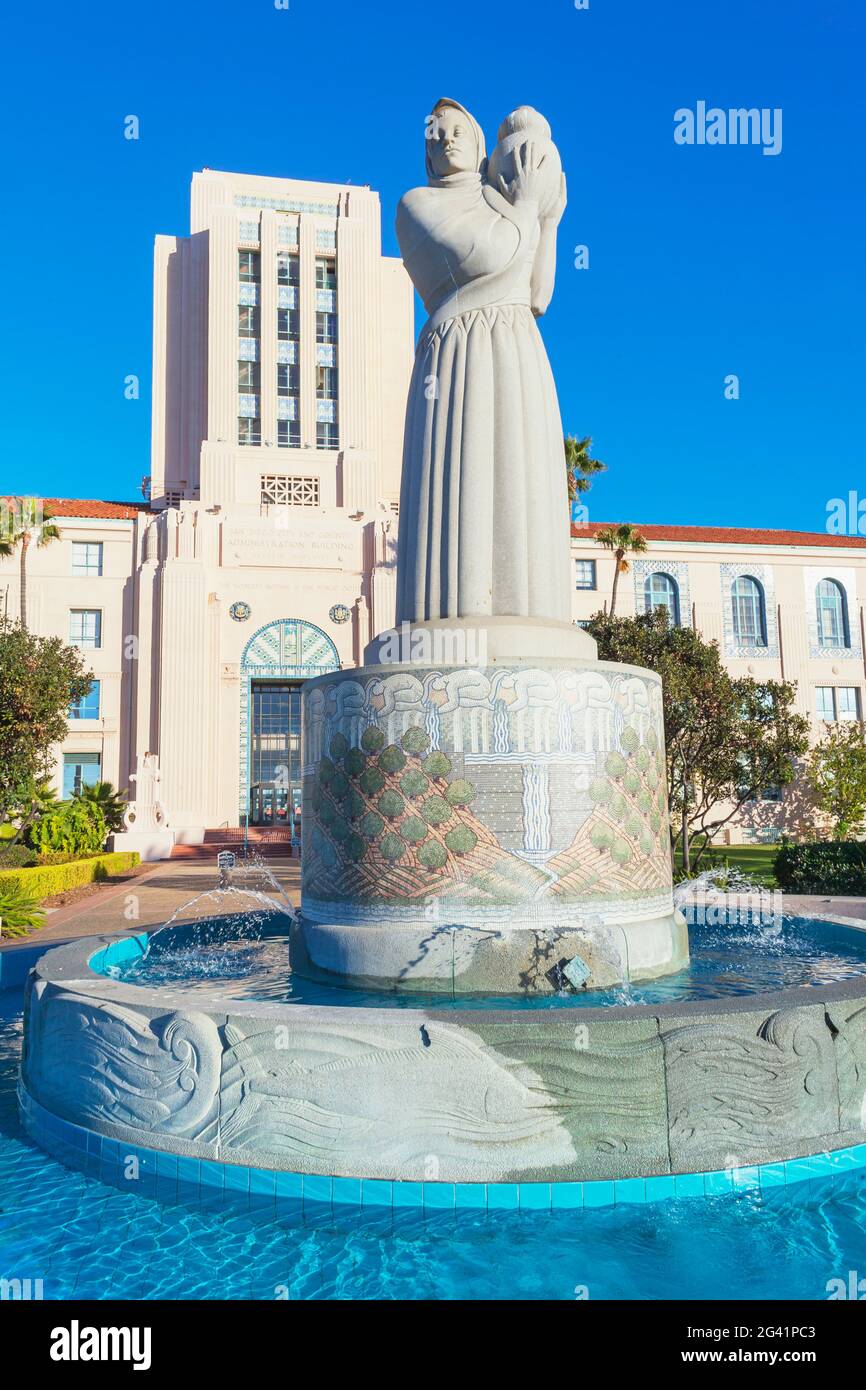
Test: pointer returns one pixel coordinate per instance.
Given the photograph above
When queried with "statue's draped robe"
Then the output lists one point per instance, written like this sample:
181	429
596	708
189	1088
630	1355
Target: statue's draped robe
483	507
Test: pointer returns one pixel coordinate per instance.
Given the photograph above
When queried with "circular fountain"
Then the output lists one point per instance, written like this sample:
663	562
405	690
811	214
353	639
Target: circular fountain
486	852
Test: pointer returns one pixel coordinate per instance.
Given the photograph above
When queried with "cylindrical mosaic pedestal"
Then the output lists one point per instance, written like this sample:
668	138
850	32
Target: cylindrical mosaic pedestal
494	830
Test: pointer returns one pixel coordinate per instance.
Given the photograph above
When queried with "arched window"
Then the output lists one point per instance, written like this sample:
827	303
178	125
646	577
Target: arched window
832	610
660	591
749	612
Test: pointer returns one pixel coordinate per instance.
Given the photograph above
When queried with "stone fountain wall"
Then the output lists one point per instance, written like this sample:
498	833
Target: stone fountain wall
456	1096
476	827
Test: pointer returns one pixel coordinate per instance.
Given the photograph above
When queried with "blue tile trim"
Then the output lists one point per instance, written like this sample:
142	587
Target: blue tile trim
168	1173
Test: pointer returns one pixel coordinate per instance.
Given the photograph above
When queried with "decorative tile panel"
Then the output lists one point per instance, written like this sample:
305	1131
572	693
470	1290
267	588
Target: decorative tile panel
679	572
248	349
326	240
287	352
847	580
287	296
287	407
287	234
248	406
249	231
326	355
246	200
326	411
248	294
326	301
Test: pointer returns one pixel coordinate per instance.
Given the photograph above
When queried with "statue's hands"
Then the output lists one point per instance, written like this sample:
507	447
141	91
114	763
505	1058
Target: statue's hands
527	184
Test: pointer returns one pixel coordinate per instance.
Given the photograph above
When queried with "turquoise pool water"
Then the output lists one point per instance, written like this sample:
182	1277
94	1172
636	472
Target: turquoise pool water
87	1240
247	957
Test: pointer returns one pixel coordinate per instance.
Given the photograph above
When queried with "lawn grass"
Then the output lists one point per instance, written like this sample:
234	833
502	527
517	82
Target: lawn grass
756	861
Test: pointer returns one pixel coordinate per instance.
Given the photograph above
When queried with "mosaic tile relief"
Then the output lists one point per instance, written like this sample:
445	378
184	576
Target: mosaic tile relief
495	799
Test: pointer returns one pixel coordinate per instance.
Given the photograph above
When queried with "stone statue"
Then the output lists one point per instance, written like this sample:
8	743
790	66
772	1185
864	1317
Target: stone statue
146	812
484	519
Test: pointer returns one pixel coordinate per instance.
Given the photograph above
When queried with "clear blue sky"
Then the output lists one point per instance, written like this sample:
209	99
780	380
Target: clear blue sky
704	261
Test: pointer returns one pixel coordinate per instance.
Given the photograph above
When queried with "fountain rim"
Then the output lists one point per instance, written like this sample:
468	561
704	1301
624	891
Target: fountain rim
529	664
70	966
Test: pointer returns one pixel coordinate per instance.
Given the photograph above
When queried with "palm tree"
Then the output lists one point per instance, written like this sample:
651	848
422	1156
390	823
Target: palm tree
31	521
622	540
580	465
111	803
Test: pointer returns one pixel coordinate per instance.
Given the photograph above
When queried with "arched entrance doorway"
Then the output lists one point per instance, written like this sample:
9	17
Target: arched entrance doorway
275	662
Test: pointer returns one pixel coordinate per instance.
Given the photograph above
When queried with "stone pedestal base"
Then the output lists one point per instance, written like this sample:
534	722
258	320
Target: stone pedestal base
498	828
148	844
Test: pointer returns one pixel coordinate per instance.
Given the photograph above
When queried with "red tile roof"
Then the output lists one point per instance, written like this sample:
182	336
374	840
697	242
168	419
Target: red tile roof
91	506
725	535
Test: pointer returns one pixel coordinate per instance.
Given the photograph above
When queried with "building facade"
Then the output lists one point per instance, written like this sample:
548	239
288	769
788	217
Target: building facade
265	554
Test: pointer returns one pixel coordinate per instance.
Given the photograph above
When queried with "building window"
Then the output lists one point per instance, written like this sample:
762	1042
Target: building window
584	574
248	321
832	613
288	379
327	434
288	323
248	377
326	383
660	591
80	770
326	328
88	706
85	627
288	269
248	266
278	490
289	434
840	702
87	557
249	429
326	273
749	613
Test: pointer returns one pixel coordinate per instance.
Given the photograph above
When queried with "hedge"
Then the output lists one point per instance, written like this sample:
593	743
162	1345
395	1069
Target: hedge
833	866
46	880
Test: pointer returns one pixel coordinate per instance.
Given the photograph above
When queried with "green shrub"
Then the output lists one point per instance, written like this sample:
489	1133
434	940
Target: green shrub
392	759
600	790
614	764
339	747
437	764
414	783
371	825
461	839
371	781
460	792
19	910
390	804
354	848
354	762
432	855
45	881
435	810
413	829
392	847
415	741
832	866
372	739
17	857
76	827
601	836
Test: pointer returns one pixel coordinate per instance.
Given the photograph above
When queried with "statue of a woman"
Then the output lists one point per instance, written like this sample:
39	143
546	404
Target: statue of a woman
484	518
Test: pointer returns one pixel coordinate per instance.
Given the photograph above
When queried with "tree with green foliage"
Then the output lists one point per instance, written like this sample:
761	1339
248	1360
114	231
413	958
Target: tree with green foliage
25	524
623	540
836	773
111	803
726	738
39	678
580	466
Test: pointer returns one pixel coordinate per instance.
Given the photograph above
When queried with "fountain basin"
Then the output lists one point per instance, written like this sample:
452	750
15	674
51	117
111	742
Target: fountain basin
451	1094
